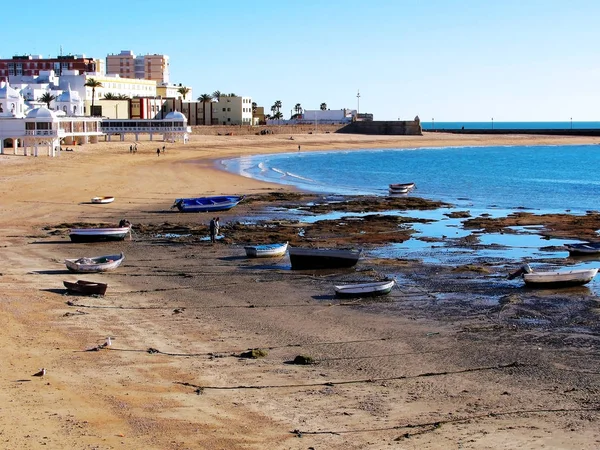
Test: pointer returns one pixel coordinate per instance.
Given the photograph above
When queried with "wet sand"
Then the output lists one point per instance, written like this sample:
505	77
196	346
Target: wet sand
453	358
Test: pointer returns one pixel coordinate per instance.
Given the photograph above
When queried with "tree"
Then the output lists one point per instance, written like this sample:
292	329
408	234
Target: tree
183	91
298	108
205	98
323	106
90	82
232	95
46	98
110	96
278	115
278	105
122	97
217	95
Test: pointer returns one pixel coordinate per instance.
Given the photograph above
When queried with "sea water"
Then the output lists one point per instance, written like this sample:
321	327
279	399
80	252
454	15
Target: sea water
545	178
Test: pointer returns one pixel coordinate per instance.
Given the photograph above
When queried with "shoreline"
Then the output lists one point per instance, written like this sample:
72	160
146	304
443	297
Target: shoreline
201	306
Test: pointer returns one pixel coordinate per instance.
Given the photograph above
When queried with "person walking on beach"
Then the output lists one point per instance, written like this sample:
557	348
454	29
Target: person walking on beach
158	151
216	227
212	228
131	149
164	148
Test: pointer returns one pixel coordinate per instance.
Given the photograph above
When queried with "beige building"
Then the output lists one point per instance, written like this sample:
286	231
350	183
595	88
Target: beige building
166	90
232	111
145	67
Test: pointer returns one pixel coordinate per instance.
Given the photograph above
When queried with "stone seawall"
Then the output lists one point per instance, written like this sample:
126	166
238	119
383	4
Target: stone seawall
549	132
389	127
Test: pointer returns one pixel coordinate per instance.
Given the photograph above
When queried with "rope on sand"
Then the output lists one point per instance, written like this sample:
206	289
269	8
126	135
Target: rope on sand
201	389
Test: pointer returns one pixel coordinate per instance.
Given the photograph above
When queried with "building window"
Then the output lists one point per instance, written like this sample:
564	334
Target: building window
228	109
223	109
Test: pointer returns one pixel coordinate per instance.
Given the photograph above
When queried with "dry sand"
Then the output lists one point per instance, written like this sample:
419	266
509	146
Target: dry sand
403	379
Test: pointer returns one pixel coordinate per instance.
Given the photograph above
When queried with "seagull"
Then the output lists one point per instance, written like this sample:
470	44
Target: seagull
107	343
41	373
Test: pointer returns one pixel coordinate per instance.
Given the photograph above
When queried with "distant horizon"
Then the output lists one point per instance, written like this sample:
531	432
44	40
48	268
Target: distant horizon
530	61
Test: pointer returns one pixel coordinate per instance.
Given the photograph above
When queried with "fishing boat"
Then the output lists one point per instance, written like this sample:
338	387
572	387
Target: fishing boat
82	287
266	250
559	278
371	289
103	199
95	263
318	258
588	248
99	234
401	188
207	204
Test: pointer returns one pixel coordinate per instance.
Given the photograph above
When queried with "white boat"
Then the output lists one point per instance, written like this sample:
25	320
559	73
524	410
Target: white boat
99	234
103	199
95	263
408	186
266	250
371	289
559	278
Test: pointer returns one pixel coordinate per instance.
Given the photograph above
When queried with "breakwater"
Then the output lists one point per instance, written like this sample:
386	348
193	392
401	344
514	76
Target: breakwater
552	132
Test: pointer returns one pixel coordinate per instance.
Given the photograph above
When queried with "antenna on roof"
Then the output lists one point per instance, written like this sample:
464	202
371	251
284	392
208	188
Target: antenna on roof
60	50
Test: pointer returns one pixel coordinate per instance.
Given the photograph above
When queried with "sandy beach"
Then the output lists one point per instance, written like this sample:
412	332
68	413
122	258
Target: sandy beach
413	371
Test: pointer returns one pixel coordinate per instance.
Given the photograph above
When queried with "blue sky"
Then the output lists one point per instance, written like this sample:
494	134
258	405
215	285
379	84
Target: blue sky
471	60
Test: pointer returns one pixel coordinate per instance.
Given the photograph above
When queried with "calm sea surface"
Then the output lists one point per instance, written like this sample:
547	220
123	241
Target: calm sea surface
565	125
483	180
545	178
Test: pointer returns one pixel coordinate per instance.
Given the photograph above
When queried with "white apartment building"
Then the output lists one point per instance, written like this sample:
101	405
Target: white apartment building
231	111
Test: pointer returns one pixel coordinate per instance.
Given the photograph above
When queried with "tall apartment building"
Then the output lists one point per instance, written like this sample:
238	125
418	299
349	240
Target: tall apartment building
143	67
31	65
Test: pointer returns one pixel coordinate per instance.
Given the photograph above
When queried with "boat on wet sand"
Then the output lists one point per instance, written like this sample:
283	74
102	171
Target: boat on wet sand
551	279
95	263
106	199
319	258
266	250
371	289
82	287
587	248
99	234
207	204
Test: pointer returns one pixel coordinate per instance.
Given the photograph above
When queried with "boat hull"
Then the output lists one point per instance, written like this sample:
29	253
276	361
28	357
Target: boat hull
583	249
207	204
373	289
103	200
311	258
98	234
82	287
266	251
94	264
559	279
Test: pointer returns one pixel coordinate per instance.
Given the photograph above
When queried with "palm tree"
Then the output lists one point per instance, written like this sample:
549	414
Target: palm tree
183	91
278	105
90	82
110	96
323	106
232	95
122	97
46	98
273	110
278	115
205	98
217	95
298	108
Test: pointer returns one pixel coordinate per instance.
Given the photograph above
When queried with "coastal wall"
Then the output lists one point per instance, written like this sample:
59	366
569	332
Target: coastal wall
387	127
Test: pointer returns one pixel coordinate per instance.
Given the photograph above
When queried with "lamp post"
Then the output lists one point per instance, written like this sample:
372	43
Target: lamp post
358	102
492	123
571	123
432	123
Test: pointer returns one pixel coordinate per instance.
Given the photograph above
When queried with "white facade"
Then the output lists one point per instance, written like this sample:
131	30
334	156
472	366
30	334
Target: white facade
232	111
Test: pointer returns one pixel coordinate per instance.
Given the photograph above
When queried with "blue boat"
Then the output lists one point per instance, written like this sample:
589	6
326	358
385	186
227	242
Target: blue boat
207	204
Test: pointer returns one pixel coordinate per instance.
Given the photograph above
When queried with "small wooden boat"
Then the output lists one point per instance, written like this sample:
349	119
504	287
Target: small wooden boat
95	263
588	248
103	199
365	289
408	186
99	234
561	278
207	204
266	250
401	188
318	258
82	287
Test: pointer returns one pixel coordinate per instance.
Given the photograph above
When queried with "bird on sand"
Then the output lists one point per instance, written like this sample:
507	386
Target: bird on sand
41	373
